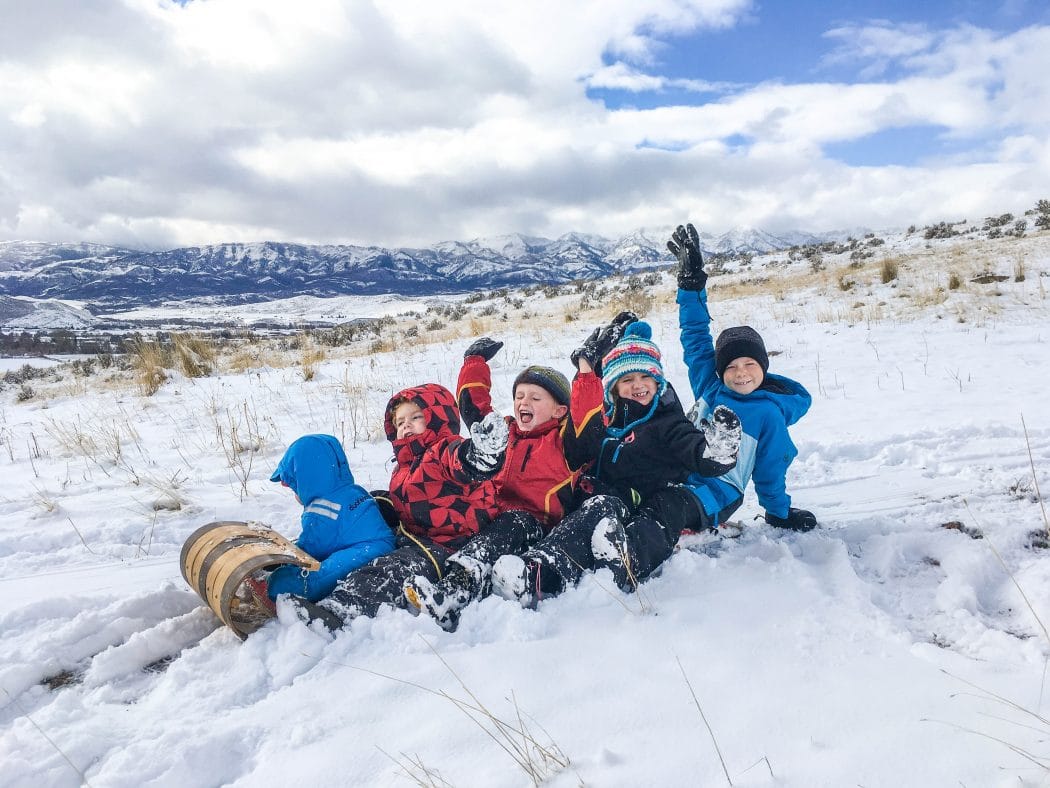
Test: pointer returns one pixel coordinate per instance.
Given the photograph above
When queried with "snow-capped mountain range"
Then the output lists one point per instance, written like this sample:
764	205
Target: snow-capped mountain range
113	277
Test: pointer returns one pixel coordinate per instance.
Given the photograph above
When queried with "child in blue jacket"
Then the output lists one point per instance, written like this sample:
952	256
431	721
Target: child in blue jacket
734	372
342	525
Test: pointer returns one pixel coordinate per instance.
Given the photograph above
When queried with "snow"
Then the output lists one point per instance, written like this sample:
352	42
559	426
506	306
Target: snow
882	648
297	309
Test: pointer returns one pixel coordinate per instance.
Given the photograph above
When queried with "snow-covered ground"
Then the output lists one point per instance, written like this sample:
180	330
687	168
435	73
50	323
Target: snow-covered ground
297	309
890	647
17	362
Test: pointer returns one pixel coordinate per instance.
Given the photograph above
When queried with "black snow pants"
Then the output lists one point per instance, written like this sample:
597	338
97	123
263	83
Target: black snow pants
367	588
652	531
508	534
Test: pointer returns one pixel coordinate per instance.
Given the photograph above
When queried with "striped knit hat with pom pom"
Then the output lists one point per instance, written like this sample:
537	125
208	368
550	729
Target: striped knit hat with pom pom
635	352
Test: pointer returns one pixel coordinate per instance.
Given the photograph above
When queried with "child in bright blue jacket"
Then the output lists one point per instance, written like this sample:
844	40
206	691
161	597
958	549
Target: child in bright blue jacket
734	371
342	525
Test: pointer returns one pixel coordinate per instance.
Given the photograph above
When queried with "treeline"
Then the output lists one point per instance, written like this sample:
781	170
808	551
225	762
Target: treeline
59	341
63	341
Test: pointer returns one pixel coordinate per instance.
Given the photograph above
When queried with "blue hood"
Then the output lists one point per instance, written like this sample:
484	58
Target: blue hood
313	466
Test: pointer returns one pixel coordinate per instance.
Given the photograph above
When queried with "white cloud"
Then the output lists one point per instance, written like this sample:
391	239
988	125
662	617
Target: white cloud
407	122
621	76
878	43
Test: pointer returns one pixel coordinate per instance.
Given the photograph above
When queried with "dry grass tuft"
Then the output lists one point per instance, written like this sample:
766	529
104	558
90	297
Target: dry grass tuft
889	270
149	360
310	355
929	297
194	354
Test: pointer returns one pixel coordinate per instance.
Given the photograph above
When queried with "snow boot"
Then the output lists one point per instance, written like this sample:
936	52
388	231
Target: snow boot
256	585
515	580
309	612
524	580
443	601
612	549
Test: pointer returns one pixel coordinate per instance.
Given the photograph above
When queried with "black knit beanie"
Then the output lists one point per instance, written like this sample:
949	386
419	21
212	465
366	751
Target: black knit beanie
736	342
548	378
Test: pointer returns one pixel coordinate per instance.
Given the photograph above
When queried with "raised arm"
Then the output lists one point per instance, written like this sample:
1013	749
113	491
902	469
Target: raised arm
694	320
473	390
585	428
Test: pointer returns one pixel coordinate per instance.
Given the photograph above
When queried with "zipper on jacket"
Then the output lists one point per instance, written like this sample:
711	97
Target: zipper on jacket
525	459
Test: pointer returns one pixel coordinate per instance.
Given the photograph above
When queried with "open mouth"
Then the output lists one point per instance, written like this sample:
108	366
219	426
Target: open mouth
525	416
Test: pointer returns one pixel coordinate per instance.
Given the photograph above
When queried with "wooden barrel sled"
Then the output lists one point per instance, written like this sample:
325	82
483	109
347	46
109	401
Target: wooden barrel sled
218	557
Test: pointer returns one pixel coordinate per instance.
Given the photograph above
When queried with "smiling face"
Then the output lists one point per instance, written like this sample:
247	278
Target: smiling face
743	375
636	387
409	420
535	406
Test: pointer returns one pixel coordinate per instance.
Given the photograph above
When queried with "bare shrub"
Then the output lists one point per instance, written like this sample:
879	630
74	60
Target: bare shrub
954	280
638	301
240	437
939	230
888	270
381	345
364	422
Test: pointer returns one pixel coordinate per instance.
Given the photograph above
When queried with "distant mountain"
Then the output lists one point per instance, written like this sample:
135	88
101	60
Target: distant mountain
115	278
751	239
15	254
29	313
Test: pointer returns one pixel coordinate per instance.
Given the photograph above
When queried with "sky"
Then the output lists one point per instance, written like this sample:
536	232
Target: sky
157	124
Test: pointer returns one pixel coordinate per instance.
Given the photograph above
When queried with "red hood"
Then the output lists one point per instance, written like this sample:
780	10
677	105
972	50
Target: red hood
438	406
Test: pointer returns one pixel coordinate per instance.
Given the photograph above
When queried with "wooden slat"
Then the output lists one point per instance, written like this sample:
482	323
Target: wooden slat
217	557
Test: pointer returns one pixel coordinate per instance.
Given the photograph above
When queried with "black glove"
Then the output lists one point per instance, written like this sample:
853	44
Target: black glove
602	340
484	347
609	335
613	332
685	245
707	466
797	520
588	351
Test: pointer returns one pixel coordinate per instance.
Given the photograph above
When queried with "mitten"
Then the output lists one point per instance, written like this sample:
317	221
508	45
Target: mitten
488	442
484	347
609	335
722	432
685	245
797	520
588	351
713	467
287	579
